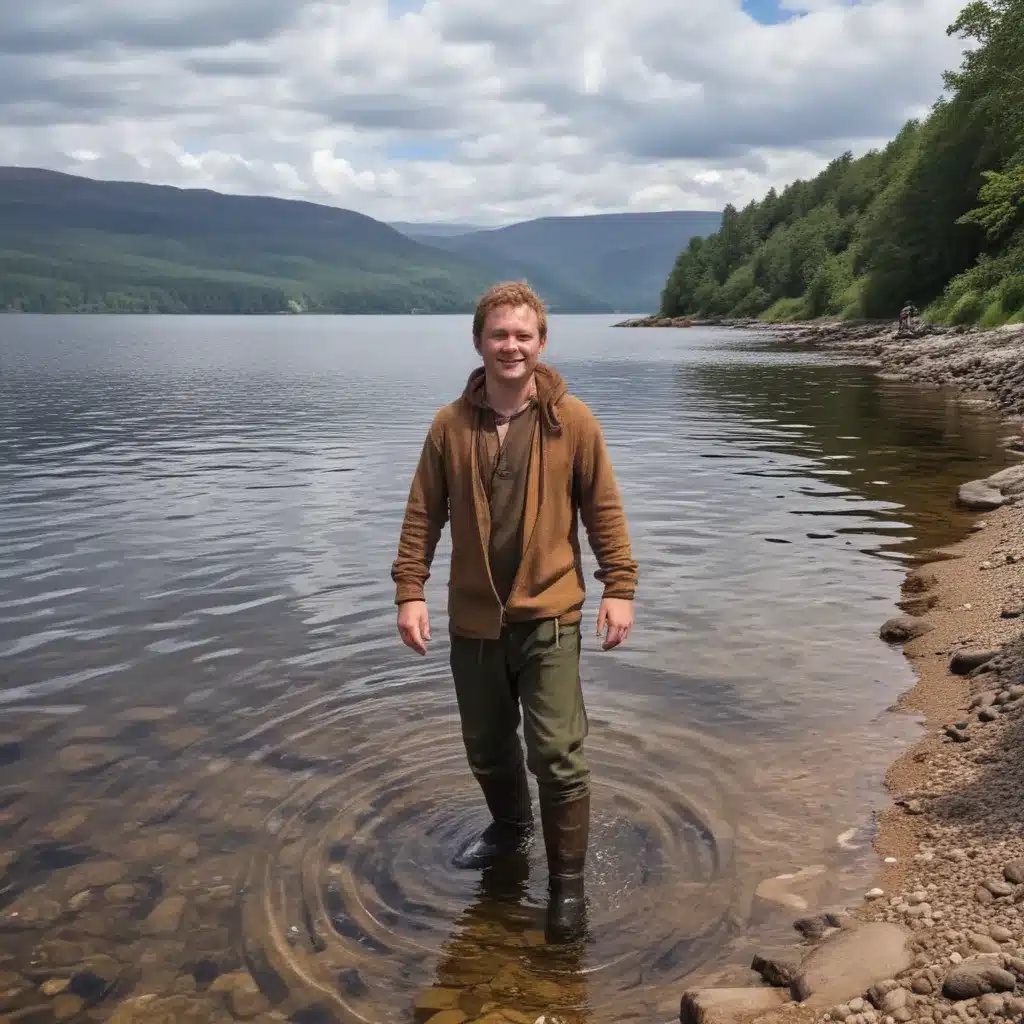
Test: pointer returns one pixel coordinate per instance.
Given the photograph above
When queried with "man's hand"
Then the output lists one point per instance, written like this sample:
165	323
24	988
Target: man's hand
414	625
616	614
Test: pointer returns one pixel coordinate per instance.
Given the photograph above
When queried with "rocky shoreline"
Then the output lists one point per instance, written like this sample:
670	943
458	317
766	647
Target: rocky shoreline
941	936
988	363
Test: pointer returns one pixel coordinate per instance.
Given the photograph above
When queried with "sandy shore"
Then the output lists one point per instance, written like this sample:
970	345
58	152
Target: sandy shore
941	937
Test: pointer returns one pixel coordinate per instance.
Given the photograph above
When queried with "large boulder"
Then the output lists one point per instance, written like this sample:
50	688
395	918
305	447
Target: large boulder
849	962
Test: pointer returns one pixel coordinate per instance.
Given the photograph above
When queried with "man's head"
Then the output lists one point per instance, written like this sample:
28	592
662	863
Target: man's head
510	329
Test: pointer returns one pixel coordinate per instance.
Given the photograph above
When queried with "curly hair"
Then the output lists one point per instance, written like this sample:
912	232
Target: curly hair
509	293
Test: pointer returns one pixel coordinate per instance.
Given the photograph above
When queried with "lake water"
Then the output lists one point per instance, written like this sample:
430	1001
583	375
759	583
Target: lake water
226	784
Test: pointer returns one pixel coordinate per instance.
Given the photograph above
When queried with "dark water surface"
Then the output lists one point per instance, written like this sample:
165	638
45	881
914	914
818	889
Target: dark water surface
227	787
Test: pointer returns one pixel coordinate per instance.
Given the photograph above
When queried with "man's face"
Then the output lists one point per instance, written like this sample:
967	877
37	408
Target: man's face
510	343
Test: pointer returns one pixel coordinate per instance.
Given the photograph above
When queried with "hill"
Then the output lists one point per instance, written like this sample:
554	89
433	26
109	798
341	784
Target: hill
620	258
70	243
937	217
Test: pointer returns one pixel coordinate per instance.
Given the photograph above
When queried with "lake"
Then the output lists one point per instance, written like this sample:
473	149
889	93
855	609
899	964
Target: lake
228	787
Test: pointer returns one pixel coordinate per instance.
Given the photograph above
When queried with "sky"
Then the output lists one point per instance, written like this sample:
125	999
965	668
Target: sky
472	111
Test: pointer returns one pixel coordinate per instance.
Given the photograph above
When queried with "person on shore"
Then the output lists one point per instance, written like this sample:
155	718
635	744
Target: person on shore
909	310
509	465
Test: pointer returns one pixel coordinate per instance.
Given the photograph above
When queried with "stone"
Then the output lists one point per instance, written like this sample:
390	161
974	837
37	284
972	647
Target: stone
992	1003
776	970
979	496
66	1006
436	998
54	986
998	887
1013	610
965	661
1014	872
977	977
793	892
98	874
85	758
165	918
449	1017
894	1000
727	1005
243	994
1000	934
1009	481
904	628
851	961
983	943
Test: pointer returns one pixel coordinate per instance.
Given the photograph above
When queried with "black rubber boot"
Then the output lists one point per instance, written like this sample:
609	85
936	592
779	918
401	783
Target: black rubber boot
566	833
511	831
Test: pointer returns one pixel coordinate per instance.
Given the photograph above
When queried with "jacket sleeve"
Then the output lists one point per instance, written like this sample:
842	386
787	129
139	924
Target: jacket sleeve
601	510
426	513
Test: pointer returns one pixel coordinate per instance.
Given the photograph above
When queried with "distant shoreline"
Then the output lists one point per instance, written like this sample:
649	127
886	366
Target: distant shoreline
986	364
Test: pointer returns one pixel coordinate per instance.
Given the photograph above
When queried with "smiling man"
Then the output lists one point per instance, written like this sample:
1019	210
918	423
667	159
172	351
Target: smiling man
511	463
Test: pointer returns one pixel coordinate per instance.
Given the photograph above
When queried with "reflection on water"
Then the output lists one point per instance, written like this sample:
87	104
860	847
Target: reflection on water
229	793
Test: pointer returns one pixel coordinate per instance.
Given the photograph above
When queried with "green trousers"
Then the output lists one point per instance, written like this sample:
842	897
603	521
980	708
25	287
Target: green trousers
534	666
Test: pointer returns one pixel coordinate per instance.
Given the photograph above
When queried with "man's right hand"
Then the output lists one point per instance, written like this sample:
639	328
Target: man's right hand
414	625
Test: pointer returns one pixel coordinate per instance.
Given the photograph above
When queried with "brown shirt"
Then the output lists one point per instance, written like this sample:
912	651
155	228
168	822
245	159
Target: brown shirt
505	465
448	489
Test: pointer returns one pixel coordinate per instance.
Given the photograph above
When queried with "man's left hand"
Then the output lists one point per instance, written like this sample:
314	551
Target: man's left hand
616	614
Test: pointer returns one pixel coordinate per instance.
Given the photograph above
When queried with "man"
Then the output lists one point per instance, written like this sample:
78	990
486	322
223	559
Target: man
908	310
509	464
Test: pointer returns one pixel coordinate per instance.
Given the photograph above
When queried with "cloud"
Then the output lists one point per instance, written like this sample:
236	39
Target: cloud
476	110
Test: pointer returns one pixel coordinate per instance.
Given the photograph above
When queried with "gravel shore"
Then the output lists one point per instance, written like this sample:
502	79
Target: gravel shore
941	936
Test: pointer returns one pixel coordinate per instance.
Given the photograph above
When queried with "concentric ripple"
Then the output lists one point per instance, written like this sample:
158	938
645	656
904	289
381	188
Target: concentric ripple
353	897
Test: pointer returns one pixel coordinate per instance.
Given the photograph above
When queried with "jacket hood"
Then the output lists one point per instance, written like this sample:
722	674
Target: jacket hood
551	387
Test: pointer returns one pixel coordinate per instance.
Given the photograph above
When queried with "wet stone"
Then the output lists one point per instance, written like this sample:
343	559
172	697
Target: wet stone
97	874
81	758
166	916
67	1006
243	994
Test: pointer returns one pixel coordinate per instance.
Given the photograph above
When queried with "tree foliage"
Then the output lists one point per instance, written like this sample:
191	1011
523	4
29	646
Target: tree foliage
932	218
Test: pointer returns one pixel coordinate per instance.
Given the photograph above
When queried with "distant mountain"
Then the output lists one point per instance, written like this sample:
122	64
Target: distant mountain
428	230
620	259
73	243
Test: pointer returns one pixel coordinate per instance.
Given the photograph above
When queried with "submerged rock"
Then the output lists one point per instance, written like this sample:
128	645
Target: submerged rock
727	1005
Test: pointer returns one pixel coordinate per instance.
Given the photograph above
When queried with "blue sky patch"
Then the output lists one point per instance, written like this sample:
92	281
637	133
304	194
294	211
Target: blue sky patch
419	149
396	8
767	12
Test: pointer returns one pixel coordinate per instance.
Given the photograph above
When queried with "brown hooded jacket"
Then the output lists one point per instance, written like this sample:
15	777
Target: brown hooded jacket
569	470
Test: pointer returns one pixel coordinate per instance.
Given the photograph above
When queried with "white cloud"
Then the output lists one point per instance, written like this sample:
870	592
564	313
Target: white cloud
476	110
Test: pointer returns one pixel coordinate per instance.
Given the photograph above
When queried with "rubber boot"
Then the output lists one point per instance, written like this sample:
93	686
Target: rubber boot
510	831
566	833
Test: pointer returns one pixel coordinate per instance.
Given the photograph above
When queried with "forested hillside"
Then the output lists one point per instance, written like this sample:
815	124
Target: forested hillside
937	217
69	243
